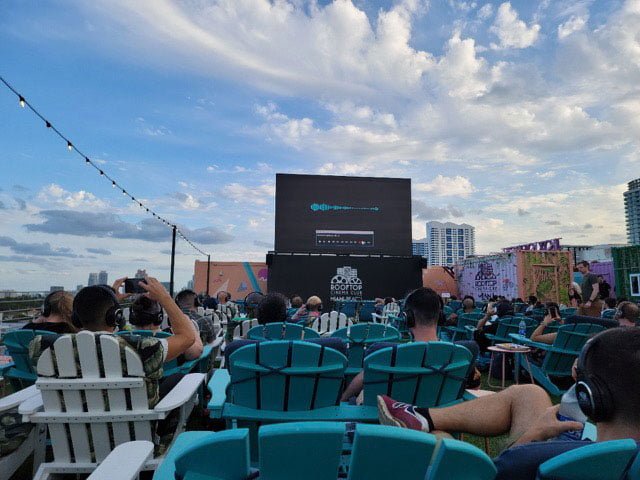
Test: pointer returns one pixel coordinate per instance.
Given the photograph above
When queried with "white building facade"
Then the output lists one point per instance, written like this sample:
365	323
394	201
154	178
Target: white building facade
448	243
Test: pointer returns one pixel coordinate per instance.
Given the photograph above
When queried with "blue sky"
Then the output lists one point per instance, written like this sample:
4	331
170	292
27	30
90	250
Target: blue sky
520	118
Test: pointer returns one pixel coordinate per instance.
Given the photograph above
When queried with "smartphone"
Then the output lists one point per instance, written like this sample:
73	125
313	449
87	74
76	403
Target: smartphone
131	285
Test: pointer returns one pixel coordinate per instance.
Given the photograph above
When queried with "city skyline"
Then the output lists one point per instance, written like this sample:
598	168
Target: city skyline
505	115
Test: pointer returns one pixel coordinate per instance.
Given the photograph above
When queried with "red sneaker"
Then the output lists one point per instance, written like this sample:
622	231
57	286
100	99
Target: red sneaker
400	414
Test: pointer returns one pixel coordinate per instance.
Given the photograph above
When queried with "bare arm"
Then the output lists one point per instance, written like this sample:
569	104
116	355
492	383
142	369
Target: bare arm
183	331
538	336
195	350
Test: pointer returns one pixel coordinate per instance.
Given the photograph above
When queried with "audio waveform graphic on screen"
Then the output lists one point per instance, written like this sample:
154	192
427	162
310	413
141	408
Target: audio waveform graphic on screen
323	207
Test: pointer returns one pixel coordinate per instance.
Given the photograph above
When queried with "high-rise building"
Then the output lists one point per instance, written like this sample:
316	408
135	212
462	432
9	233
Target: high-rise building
632	211
141	273
448	243
103	278
419	247
55	288
93	279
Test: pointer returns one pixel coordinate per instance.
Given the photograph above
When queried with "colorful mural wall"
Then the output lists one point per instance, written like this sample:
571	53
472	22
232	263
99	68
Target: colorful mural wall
545	274
237	278
440	279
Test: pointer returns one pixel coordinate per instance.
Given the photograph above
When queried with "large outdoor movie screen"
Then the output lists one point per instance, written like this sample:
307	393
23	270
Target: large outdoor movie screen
327	214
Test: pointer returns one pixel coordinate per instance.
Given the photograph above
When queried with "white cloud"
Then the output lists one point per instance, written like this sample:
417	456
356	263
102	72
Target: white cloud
511	31
54	194
447	186
574	24
485	11
259	195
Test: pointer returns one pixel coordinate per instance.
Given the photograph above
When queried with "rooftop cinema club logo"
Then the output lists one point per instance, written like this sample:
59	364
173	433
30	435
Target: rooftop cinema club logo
345	285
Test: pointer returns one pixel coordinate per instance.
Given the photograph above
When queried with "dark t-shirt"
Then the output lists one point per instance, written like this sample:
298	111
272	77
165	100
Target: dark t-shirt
588	281
54	327
522	462
605	290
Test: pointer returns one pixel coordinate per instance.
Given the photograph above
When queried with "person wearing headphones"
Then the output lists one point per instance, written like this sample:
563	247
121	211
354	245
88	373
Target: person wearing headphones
189	302
56	314
422	308
627	314
607	390
147	314
308	312
97	309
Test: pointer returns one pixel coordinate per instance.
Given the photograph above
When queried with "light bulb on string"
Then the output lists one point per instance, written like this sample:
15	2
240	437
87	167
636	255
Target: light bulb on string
22	101
47	124
69	145
87	161
124	192
101	173
113	183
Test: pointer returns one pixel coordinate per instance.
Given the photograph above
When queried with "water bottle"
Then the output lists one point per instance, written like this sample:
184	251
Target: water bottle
522	328
570	411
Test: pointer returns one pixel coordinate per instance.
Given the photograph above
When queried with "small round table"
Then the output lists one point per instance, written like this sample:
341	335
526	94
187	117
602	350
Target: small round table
517	350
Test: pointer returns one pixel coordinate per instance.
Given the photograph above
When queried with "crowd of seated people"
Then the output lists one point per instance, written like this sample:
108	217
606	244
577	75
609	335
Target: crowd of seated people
523	412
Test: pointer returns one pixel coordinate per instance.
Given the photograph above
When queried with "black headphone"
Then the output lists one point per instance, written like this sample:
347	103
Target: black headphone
318	306
408	311
46	305
113	316
140	316
594	397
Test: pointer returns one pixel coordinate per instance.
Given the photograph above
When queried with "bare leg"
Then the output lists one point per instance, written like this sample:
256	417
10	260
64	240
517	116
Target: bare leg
510	411
354	388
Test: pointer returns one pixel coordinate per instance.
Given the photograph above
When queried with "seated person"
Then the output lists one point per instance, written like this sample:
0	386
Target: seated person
488	323
533	303
210	303
468	306
308	312
627	314
608	363
575	295
188	302
147	314
553	315
609	307
296	303
226	306
273	309
426	306
96	309
56	314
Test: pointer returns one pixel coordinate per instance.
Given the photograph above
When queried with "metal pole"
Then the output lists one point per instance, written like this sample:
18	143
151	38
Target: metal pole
208	272
173	260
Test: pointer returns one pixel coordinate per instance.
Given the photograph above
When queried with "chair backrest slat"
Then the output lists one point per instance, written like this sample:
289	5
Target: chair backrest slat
286	376
361	335
426	374
112	362
571	338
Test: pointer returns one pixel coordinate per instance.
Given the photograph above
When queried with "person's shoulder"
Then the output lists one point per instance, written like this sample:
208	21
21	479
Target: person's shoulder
522	461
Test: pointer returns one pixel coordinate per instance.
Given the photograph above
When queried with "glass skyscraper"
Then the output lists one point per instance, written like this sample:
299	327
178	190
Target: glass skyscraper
632	211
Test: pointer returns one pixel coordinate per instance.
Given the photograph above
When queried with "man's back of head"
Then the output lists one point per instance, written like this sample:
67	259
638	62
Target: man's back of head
426	306
314	304
272	308
628	311
145	313
95	308
611	362
187	299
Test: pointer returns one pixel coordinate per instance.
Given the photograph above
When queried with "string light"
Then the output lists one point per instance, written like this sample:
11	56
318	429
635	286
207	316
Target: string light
23	103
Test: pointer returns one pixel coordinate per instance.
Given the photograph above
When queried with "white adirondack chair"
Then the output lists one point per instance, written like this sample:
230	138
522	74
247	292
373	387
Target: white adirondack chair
389	309
72	402
34	443
241	330
328	323
125	462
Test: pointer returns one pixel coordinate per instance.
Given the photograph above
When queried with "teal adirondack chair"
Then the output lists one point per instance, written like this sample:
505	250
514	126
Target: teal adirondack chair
281	331
22	374
509	325
467	322
367	308
426	374
599	461
560	356
359	337
313	451
568	311
279	381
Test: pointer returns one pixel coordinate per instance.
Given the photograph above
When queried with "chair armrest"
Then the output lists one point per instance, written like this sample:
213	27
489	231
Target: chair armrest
218	384
529	343
15	399
125	461
30	406
181	393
